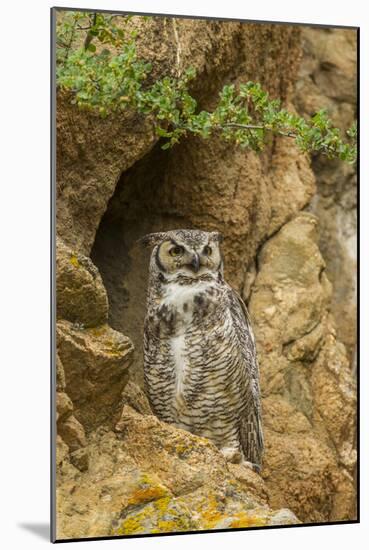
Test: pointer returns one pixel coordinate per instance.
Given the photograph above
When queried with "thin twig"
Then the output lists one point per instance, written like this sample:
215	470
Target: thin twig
256	127
69	45
178	44
241	126
89	36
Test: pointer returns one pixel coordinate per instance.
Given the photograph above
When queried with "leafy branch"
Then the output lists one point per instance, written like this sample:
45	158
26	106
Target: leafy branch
97	63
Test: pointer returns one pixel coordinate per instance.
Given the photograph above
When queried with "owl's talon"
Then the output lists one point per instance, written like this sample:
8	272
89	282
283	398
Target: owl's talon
231	454
254	467
247	464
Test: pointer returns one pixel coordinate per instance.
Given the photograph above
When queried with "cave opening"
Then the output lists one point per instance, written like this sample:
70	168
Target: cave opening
141	204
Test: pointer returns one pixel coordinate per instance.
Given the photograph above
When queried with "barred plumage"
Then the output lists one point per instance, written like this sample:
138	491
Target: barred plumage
200	364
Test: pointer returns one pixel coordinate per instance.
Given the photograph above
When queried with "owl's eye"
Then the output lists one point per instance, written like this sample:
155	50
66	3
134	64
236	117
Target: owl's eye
208	250
176	251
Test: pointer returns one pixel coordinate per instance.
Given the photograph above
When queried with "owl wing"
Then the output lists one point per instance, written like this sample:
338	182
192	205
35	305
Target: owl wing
158	374
251	433
150	351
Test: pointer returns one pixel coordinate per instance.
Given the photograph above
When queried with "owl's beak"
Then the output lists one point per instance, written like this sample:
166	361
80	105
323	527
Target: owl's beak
195	263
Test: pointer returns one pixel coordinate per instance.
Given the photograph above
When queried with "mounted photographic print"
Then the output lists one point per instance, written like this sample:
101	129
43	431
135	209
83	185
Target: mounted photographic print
204	190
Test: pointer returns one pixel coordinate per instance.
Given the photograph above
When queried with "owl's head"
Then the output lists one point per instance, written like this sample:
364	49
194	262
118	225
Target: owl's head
186	253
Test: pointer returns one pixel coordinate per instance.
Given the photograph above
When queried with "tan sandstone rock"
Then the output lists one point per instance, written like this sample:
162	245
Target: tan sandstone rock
149	477
71	439
80	293
305	379
96	365
327	78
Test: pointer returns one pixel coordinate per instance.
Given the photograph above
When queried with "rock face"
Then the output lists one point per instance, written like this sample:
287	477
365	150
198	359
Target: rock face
149	477
328	79
93	358
81	296
305	377
71	437
96	362
121	470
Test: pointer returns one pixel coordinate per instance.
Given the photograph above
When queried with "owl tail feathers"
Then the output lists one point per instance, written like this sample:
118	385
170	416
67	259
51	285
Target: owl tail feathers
252	441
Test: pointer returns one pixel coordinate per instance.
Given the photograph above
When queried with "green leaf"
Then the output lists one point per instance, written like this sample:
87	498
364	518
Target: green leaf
166	145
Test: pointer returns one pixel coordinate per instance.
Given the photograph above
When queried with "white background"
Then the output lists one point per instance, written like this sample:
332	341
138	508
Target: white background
24	269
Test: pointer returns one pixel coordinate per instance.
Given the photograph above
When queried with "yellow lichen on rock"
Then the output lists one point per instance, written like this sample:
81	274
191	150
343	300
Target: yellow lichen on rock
74	261
247	520
209	512
147	491
164	515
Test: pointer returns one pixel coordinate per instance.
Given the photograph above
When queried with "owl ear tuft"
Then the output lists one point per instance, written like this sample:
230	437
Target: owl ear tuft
152	239
217	237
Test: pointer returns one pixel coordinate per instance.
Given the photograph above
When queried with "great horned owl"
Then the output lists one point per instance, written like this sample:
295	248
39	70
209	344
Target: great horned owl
200	365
